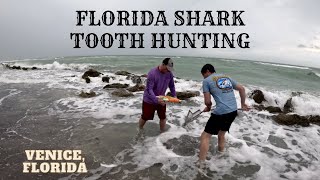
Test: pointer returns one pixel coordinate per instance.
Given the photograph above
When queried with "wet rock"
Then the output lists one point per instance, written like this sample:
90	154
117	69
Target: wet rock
136	79
123	73
87	95
278	142
122	93
105	79
91	73
288	107
138	87
257	96
291	119
174	167
314	119
144	75
272	109
186	94
16	67
116	85
184	146
245	170
87	80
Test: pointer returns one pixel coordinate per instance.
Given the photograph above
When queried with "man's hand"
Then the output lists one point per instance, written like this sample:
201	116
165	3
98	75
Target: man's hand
245	107
206	109
161	102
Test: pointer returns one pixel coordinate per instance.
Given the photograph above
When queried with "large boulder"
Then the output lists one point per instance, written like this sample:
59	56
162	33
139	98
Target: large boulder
87	94
185	95
91	73
116	85
257	96
122	93
137	87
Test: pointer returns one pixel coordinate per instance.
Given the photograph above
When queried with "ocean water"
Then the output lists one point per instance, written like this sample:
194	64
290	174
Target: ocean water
41	109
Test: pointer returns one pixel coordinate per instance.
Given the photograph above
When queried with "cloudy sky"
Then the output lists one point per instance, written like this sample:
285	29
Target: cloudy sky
282	31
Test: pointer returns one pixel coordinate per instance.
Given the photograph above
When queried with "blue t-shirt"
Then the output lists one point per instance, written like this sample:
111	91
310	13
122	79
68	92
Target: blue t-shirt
221	88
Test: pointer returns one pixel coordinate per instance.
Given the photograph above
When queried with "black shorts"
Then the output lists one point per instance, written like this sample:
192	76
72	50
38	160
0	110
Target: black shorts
221	122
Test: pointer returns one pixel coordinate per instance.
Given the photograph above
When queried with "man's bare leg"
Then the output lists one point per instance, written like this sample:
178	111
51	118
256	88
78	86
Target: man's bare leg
162	125
141	123
221	140
204	145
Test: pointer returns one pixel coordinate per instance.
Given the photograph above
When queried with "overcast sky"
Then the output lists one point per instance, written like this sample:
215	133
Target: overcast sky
282	31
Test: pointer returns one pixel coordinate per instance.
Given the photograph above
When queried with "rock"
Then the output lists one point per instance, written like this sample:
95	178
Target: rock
185	95
291	119
144	75
272	109
34	68
116	85
314	119
123	73
136	79
183	146
277	142
257	96
24	68
259	107
105	79
91	73
16	67
288	107
87	95
122	93
138	87
87	80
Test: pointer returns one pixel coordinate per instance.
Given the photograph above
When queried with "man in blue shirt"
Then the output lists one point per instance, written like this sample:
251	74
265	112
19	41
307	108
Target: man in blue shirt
221	88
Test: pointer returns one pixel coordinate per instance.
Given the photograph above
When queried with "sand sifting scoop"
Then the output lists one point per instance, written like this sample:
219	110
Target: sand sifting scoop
191	116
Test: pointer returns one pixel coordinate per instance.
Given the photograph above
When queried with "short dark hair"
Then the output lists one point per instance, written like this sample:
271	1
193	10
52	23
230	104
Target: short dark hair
165	61
207	67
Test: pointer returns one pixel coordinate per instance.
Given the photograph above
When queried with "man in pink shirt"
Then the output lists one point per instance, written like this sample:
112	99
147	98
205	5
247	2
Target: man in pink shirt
158	80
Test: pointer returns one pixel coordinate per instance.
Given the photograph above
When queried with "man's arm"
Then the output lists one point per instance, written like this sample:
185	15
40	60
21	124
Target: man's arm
207	101
149	87
242	93
172	87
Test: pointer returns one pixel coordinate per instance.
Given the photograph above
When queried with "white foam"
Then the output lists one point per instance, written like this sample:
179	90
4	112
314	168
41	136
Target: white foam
11	93
306	104
282	65
55	66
